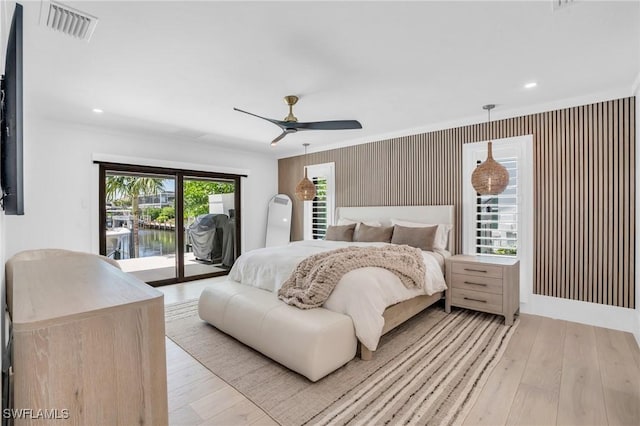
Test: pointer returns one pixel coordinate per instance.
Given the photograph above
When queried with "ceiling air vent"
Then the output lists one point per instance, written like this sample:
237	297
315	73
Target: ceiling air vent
67	20
561	4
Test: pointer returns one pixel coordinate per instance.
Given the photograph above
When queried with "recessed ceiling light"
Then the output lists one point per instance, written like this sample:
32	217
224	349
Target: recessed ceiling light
97	110
530	85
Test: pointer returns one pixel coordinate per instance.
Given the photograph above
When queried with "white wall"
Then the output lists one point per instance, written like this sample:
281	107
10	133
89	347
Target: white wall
3	315
6	12
637	95
221	203
61	182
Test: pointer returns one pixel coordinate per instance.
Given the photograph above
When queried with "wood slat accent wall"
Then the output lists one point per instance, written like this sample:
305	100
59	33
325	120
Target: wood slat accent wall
584	190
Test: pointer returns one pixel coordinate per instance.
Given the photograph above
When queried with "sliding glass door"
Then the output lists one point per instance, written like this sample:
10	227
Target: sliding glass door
210	223
140	228
165	226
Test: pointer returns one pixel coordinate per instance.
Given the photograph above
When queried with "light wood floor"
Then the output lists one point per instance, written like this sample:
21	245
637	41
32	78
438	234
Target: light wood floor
553	372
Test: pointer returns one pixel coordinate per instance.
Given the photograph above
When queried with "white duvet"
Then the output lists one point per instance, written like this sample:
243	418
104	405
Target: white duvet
363	294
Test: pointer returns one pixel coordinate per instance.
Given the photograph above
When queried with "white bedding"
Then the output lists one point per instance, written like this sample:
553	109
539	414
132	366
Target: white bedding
362	294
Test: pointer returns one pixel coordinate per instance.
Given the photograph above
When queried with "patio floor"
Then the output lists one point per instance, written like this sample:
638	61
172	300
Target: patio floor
156	268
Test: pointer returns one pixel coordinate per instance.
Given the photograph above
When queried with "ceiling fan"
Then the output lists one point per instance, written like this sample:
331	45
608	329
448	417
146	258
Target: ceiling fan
290	123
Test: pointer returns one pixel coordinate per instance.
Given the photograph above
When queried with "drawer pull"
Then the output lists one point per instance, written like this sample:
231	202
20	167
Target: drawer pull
475	300
475	270
480	284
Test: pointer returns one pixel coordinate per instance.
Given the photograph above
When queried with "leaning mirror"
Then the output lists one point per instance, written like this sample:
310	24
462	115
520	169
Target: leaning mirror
279	221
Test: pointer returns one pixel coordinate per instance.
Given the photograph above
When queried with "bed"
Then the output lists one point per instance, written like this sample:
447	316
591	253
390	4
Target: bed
267	268
398	313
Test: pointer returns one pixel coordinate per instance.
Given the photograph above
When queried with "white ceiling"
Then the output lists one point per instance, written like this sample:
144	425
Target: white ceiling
179	67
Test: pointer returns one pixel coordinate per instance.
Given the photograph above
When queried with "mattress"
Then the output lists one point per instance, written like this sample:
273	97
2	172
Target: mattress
363	294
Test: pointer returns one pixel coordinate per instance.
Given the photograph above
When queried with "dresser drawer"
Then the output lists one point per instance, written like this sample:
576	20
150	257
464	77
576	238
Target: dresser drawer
476	283
477	270
477	300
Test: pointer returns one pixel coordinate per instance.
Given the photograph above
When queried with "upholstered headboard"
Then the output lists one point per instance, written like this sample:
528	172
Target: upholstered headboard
384	214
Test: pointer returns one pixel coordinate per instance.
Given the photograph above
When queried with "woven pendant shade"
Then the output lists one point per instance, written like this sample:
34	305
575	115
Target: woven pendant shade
490	177
305	190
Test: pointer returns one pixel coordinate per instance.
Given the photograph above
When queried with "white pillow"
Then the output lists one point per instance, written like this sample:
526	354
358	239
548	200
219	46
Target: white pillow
442	234
344	221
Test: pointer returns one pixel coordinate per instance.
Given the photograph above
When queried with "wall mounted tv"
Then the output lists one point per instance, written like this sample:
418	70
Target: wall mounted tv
11	177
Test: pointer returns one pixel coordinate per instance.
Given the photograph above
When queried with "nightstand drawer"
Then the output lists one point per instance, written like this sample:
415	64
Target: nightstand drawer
478	270
477	283
480	301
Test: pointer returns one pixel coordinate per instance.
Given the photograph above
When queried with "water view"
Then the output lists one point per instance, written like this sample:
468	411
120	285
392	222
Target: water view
156	242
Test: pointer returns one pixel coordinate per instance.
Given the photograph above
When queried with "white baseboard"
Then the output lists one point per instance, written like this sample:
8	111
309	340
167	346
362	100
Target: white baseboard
596	314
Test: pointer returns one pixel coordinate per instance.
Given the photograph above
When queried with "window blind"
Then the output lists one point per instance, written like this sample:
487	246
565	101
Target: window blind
496	222
319	212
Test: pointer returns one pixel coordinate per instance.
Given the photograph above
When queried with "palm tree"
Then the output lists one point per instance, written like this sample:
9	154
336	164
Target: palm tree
132	187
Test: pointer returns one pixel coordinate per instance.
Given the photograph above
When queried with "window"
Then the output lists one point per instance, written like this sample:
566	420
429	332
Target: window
319	209
496	223
501	225
318	213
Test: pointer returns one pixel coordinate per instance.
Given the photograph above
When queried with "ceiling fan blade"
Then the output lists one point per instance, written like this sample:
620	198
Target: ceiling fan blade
270	120
282	135
325	125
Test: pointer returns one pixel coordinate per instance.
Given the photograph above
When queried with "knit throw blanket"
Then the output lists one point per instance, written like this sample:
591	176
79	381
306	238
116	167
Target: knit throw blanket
313	280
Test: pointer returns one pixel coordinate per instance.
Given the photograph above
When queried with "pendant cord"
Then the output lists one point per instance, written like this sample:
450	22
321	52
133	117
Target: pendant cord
305	158
489	107
490	129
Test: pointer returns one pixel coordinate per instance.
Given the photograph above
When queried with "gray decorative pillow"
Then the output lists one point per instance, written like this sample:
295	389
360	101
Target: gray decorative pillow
340	233
373	234
422	238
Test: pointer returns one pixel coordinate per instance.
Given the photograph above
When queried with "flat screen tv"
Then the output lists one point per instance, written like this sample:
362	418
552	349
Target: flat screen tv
11	143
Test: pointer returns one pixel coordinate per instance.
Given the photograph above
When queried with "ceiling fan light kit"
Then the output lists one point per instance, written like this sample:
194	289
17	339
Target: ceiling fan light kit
490	177
290	123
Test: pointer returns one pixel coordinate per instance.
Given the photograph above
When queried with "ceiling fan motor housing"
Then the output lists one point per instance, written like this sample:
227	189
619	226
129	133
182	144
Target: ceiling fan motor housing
291	101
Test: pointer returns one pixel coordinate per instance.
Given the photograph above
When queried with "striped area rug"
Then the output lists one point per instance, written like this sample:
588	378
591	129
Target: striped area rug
427	371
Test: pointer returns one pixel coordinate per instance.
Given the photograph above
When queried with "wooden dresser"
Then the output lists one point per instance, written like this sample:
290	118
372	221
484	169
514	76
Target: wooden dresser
484	283
89	339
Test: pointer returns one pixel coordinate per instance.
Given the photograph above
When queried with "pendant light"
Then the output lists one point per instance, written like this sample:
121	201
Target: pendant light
490	177
305	190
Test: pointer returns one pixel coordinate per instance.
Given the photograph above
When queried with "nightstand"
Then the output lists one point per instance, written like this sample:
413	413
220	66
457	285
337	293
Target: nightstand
484	283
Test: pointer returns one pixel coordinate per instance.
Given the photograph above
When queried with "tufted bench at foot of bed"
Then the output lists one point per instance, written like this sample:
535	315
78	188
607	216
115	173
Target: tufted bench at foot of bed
312	342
